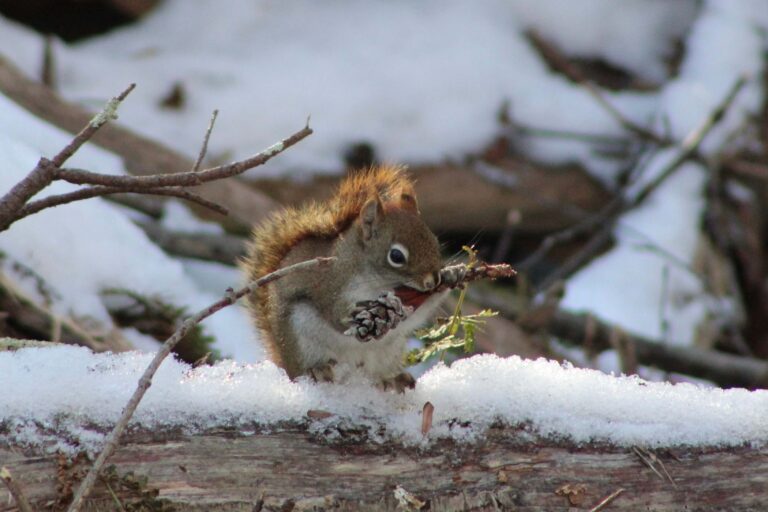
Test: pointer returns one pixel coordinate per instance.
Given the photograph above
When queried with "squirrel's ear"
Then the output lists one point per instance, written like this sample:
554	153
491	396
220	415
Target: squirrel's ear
409	204
370	217
408	200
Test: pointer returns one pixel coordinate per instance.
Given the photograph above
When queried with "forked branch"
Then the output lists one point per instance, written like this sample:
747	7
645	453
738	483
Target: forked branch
16	205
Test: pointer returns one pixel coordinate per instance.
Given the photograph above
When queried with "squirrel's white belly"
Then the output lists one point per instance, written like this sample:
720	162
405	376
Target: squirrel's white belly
379	359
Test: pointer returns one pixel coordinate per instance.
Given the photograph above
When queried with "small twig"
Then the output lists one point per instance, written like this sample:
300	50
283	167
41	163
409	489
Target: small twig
45	170
477	272
690	145
15	489
599	240
146	379
182	179
108	113
650	459
48	71
204	148
114	496
149	206
607	217
555	59
607	501
98	191
571	233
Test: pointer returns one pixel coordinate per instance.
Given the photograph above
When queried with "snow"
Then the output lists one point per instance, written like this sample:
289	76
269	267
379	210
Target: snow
639	37
177	217
86	247
549	400
399	75
396	74
647	281
423	82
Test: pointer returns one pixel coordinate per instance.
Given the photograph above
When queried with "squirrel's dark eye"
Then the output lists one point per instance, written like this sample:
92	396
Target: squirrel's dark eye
397	255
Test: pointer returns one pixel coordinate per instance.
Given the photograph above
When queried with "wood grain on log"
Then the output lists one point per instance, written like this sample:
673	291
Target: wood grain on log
292	470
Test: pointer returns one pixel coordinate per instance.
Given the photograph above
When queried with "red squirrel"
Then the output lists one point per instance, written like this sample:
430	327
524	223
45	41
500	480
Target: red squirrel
373	228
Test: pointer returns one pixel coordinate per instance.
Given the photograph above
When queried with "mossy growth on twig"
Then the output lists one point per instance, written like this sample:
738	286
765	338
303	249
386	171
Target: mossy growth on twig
453	334
156	317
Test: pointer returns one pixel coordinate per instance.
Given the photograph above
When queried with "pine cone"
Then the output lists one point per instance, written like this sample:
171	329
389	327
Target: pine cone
372	319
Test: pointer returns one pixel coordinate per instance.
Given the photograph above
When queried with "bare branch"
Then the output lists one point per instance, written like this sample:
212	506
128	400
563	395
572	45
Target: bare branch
555	58
14	204
45	170
108	113
607	501
602	222
690	145
146	379
725	370
10	204
183	179
15	489
86	193
204	147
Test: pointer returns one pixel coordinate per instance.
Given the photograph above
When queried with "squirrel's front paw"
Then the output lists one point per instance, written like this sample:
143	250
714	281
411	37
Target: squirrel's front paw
452	276
372	319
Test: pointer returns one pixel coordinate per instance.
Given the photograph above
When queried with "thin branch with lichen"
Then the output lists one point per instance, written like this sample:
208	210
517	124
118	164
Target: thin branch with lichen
16	205
145	381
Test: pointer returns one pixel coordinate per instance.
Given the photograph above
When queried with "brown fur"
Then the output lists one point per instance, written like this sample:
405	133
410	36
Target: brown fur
274	238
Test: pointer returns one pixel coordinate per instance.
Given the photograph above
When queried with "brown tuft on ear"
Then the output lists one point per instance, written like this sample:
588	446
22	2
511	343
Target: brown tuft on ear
370	217
408	200
409	204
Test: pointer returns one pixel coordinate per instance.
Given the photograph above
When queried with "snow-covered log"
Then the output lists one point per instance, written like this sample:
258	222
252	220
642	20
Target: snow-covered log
502	434
293	469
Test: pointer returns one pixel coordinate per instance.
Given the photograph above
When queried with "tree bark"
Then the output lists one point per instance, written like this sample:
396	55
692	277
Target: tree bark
290	469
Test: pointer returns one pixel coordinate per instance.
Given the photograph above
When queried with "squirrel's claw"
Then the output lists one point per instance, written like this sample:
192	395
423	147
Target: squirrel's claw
372	319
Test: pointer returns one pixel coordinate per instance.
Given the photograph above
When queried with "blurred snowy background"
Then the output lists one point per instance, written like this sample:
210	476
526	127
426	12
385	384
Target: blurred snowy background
564	137
495	91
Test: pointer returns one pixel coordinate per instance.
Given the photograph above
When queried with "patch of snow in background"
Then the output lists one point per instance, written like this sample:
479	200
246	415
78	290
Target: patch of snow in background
639	36
85	247
558	402
421	81
637	286
177	217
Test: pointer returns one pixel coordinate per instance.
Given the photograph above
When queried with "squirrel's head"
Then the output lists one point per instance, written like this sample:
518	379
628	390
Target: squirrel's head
397	244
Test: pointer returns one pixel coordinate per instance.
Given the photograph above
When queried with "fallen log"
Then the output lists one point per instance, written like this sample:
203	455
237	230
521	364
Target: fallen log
292	469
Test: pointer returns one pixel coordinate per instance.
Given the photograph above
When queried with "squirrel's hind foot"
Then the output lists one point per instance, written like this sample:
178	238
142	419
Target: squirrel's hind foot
322	372
399	382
